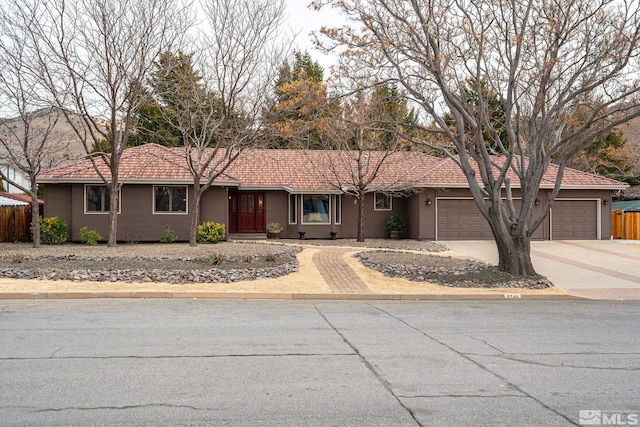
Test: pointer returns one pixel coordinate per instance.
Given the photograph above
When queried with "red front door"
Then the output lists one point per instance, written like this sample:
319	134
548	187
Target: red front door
247	212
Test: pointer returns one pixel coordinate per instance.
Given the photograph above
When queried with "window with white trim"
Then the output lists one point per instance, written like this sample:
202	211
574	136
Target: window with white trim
170	199
316	209
97	199
337	209
382	202
293	209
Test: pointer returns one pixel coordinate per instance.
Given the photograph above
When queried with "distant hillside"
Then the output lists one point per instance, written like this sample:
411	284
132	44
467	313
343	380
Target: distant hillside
61	139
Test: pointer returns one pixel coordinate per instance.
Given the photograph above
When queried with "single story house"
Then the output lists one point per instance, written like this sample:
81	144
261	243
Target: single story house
303	192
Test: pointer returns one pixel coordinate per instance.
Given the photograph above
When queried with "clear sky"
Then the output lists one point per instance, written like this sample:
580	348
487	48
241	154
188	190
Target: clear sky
303	20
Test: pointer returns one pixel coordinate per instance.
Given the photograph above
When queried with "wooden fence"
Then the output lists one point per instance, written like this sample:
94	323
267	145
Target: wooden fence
15	223
625	225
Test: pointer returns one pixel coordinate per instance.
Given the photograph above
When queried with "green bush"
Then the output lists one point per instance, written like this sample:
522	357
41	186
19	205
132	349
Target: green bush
394	223
53	230
90	237
211	232
168	236
274	227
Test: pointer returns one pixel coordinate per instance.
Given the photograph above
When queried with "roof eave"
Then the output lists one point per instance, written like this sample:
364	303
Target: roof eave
542	186
292	190
148	181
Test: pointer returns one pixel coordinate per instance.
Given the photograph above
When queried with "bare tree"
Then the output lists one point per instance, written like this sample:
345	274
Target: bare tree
221	111
33	137
544	59
364	144
94	57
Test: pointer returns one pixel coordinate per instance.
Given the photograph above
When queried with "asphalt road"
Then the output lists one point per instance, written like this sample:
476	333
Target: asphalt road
320	363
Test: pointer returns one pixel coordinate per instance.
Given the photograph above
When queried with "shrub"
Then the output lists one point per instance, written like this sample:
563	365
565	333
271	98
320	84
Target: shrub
271	257
90	237
274	227
394	223
18	259
53	230
216	259
211	232
168	236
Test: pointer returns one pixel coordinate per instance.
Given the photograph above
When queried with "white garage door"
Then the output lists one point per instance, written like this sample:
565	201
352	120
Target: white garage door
574	220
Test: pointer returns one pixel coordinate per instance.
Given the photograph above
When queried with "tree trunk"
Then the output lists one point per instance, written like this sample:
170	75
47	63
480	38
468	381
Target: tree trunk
360	234
35	213
514	253
113	214
194	207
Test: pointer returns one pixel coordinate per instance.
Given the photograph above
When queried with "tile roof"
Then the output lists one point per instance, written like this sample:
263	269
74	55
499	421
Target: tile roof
299	171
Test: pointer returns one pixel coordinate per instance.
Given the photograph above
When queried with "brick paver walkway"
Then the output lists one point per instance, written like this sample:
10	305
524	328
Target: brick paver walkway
337	273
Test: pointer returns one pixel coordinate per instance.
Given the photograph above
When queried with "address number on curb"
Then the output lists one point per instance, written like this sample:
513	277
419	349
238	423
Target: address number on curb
512	296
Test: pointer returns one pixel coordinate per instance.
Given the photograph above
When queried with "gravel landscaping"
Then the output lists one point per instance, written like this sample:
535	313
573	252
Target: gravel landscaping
447	271
227	262
171	263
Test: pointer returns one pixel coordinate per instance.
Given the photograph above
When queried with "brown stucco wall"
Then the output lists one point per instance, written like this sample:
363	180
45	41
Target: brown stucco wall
214	205
58	202
277	211
136	221
374	221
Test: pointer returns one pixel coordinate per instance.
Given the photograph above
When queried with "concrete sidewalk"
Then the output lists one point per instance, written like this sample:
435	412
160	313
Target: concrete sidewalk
594	269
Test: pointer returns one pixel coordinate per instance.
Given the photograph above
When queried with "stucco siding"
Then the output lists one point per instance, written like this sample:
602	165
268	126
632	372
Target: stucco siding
59	202
137	221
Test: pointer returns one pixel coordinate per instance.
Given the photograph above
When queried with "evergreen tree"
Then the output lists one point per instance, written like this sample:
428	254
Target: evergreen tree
301	103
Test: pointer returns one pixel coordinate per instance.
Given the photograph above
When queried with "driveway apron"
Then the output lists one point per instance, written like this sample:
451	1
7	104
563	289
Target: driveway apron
599	269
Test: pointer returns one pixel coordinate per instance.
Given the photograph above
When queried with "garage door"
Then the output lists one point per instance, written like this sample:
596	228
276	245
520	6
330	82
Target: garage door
574	220
461	220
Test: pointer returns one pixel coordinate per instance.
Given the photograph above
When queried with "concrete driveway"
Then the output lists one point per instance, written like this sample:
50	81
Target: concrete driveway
598	269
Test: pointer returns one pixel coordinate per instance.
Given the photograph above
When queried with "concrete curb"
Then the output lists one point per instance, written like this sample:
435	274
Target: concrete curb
290	296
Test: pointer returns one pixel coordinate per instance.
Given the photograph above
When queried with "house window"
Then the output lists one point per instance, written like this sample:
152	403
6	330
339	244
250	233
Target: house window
382	202
97	199
337	209
293	209
316	209
169	199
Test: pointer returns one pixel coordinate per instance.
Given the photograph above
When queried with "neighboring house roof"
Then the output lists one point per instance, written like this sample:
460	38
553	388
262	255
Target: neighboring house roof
299	171
12	199
627	206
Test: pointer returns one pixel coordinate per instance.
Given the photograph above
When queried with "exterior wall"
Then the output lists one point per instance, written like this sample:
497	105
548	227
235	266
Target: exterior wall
374	221
278	211
16	176
136	221
59	202
214	206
